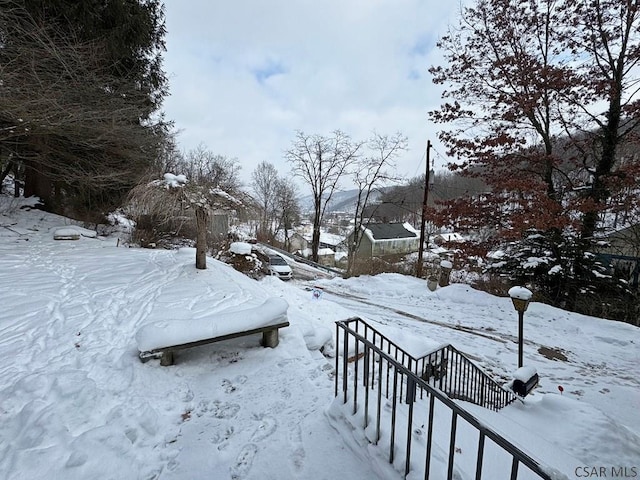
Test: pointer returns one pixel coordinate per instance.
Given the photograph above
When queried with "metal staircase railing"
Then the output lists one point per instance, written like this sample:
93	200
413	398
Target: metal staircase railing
374	367
459	378
447	369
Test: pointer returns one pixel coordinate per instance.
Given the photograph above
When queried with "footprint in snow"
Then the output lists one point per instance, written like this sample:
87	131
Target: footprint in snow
298	453
221	437
225	410
244	461
218	409
230	387
266	428
286	362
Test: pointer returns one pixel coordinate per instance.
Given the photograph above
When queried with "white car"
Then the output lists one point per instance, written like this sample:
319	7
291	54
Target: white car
279	267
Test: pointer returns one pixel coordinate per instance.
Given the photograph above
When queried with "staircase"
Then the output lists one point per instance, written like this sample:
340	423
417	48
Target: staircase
459	378
397	397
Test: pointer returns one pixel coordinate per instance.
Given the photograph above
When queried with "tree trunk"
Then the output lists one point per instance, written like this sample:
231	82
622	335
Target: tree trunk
5	172
202	217
315	242
287	243
38	184
315	239
352	249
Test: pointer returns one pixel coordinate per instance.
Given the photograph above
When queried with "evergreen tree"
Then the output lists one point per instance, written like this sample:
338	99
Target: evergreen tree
81	85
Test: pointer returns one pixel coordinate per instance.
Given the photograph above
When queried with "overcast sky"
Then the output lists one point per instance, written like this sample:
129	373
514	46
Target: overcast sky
246	74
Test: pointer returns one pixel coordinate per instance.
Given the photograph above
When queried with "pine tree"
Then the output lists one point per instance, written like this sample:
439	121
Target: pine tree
81	86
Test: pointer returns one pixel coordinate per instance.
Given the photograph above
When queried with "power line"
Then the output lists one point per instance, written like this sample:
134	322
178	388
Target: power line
440	156
424	154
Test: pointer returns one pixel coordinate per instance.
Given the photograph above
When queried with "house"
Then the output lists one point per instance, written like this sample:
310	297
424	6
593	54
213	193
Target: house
301	242
326	257
334	242
624	242
219	224
621	250
298	243
444	238
385	239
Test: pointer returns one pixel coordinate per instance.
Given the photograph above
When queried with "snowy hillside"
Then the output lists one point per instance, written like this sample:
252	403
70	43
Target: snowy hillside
76	403
341	201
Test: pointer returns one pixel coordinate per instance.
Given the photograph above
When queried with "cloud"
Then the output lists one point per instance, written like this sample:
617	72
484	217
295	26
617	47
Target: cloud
269	69
245	75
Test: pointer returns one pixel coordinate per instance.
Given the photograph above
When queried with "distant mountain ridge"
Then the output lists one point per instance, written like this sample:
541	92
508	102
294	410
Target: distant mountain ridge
341	201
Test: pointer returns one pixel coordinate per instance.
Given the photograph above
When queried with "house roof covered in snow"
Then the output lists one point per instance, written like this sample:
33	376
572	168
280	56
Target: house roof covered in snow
450	237
389	231
326	238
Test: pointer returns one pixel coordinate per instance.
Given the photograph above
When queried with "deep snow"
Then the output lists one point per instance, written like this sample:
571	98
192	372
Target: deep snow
77	403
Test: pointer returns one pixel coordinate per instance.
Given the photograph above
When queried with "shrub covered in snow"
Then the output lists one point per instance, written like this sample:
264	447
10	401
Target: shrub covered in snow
242	259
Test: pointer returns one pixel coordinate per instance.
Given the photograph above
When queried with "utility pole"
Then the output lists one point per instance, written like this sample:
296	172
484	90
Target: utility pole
423	218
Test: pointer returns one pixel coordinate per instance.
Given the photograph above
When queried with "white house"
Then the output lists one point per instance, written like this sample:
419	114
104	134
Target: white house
384	239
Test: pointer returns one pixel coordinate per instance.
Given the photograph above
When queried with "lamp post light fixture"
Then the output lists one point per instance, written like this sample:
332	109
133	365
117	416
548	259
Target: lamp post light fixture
520	296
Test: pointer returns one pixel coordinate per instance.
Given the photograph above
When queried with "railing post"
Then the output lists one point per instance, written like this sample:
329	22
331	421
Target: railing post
365	375
356	361
411	391
409	428
427	462
514	469
388	367
480	457
452	445
345	359
394	403
401	374
337	357
378	416
373	361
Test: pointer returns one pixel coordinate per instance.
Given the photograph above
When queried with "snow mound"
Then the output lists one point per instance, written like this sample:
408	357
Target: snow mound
66	234
73	232
523	374
520	293
240	248
316	338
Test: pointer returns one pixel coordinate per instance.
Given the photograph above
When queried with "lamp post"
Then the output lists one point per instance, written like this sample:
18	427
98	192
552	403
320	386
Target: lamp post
520	296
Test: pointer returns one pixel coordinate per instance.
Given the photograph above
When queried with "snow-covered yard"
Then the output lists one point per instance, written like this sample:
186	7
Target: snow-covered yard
77	403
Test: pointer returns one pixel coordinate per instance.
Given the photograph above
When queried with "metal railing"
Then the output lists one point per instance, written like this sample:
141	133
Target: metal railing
458	377
447	368
374	367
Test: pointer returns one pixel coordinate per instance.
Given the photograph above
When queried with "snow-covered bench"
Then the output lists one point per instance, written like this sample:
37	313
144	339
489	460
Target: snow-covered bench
162	339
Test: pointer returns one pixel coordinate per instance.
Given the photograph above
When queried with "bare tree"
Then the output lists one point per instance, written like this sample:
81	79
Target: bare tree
371	172
170	158
204	167
287	207
321	162
264	182
175	196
